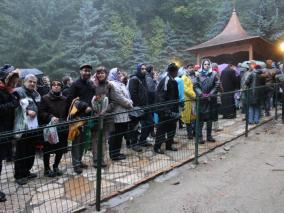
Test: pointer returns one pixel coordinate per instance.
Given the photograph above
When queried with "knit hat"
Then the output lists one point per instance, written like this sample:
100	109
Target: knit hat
5	70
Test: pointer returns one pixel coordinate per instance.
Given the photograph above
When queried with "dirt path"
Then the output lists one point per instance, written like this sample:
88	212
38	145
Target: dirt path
246	175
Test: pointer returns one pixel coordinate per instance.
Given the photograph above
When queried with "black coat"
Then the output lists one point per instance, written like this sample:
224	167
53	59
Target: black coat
151	85
66	91
8	104
138	90
230	82
207	84
167	91
54	106
83	89
254	81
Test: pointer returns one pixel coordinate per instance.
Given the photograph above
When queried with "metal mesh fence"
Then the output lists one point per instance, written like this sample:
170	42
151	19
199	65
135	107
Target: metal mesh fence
116	156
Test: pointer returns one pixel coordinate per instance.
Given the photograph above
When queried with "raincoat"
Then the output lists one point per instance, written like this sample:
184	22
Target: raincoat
189	94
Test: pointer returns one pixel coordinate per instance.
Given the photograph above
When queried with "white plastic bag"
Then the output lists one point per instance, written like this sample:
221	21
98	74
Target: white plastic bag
20	122
50	134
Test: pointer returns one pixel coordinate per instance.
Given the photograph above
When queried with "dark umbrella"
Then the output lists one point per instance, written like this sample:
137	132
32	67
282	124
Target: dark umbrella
25	72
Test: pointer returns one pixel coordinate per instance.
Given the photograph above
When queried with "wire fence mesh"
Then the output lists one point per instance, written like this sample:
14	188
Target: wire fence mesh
123	157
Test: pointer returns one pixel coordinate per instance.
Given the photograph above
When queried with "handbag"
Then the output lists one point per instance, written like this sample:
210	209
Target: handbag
136	113
50	134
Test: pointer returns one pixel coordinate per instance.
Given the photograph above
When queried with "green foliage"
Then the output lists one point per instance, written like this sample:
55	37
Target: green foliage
139	52
59	35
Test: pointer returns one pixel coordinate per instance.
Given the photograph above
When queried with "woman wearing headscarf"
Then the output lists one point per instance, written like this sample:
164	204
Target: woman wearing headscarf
138	90
8	103
53	110
122	103
206	87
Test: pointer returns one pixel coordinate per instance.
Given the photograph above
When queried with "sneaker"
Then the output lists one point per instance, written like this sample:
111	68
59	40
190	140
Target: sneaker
21	181
57	172
2	197
49	173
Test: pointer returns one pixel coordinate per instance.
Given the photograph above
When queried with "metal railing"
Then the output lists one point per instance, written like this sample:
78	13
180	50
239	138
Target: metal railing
95	184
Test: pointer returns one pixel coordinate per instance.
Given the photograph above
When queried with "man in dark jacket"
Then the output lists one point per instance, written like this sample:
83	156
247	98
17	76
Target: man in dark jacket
255	80
138	90
67	82
8	103
26	147
152	87
83	89
167	93
230	82
269	74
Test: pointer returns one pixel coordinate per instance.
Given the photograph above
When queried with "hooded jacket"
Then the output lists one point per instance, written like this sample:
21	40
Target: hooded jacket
121	99
138	88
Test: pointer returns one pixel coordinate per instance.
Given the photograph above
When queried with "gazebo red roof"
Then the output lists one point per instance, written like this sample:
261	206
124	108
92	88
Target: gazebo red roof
233	32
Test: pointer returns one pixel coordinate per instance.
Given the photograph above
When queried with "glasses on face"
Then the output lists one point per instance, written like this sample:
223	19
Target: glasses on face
58	85
206	64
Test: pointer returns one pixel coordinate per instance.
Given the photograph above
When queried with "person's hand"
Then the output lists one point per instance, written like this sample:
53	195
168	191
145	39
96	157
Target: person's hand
31	113
55	120
205	95
89	109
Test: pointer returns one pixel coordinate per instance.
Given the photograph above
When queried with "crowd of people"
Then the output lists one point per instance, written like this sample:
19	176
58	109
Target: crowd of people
102	92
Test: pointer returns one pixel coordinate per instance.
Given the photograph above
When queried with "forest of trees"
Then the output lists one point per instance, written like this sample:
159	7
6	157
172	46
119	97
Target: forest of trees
57	36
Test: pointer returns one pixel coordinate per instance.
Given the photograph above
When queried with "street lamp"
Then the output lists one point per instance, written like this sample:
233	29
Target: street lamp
282	47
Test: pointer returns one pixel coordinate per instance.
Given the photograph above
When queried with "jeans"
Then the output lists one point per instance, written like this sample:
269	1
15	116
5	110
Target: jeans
147	125
268	101
77	150
254	114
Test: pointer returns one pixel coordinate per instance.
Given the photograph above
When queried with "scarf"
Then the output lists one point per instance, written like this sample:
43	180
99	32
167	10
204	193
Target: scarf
113	75
204	72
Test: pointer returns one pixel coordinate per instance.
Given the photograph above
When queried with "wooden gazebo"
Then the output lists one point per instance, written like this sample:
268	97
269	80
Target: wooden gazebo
234	45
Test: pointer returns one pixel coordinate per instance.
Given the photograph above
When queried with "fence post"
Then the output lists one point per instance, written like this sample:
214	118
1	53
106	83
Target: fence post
282	103
197	136
99	164
247	111
276	89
